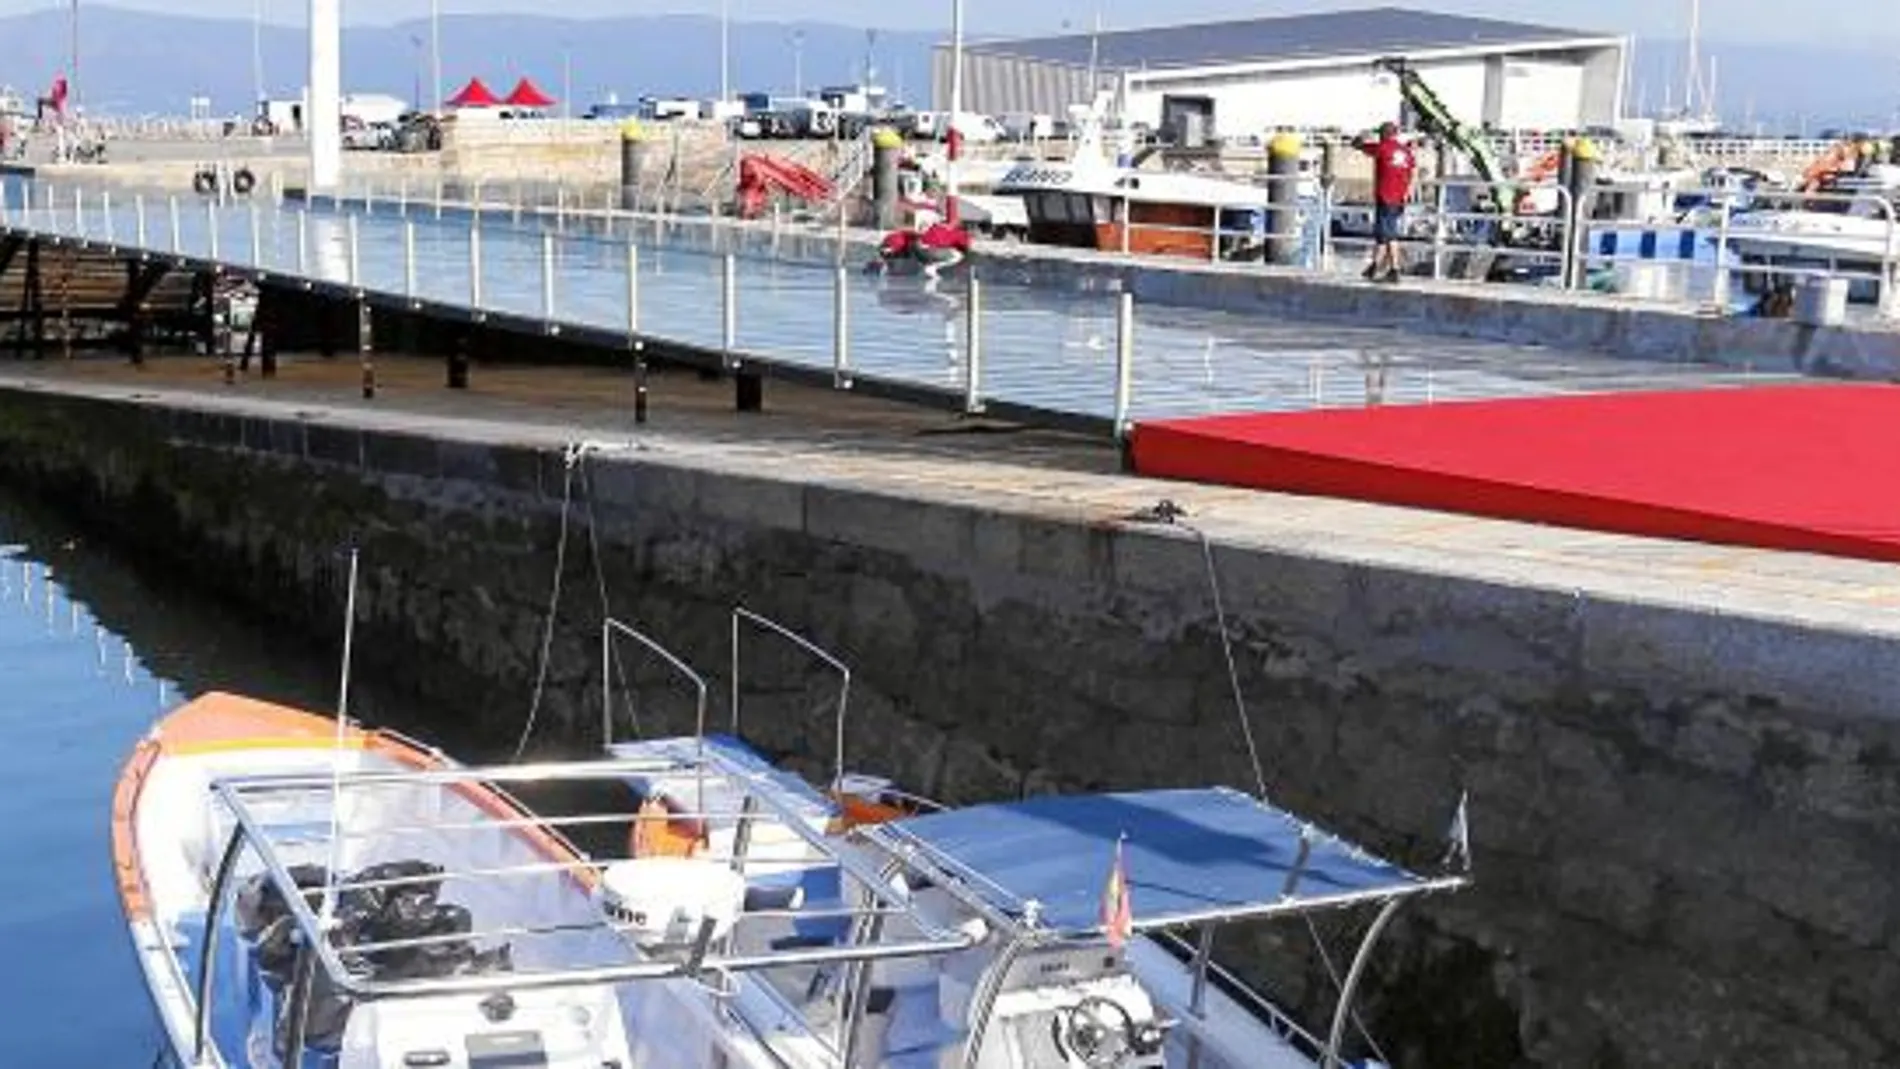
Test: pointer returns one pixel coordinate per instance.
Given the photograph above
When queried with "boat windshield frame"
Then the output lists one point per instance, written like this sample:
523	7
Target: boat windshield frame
241	796
1003	908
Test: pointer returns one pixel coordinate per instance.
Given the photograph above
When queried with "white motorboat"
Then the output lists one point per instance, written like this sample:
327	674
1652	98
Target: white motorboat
302	891
1052	978
1854	236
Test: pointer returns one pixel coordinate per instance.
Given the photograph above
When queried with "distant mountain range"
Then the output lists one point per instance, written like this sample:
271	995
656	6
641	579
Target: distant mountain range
135	62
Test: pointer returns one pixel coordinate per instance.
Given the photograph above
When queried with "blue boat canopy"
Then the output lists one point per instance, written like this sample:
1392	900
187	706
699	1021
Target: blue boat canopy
1190	856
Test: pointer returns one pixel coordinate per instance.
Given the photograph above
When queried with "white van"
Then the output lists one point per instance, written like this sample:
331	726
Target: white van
1029	126
979	129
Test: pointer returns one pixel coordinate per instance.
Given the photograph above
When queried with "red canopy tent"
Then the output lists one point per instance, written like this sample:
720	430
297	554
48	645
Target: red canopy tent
474	95
528	95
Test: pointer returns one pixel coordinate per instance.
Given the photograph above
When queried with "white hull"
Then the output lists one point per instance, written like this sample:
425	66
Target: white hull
736	918
1813	236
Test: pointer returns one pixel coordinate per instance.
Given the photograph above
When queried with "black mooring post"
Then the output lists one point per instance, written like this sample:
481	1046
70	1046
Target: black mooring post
264	329
365	344
330	320
639	382
748	391
250	336
458	361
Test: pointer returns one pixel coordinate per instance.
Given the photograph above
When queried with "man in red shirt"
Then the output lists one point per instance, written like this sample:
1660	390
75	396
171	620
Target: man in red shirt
1393	164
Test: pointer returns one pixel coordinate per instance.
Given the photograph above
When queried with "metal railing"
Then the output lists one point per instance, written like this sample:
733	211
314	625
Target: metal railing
1443	229
790	300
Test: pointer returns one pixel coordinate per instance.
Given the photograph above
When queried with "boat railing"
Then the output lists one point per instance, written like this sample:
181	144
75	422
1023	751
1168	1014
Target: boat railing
1202	963
742	618
612	629
873	900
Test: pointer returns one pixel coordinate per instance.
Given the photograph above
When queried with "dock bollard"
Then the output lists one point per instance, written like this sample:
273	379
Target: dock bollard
973	349
1578	163
887	149
633	153
1283	193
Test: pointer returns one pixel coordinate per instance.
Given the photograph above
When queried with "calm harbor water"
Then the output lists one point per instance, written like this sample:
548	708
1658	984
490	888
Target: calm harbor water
92	650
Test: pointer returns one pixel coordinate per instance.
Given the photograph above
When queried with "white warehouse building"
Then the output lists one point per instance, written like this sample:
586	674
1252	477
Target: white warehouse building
1244	77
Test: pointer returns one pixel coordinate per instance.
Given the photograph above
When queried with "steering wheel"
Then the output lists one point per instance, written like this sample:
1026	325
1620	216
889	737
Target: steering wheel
1097	1030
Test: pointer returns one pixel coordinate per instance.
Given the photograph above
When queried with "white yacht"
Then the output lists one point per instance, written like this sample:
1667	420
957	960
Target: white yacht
1854	236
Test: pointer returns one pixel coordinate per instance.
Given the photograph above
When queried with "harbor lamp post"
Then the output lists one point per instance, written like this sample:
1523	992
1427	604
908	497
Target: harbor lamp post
953	140
798	64
72	80
435	52
415	45
323	112
725	50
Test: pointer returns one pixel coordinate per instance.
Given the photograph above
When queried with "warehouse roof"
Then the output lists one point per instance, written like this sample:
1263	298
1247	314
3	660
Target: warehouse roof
1367	31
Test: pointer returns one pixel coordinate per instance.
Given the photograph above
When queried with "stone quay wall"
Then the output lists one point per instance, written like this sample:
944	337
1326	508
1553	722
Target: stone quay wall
1685	822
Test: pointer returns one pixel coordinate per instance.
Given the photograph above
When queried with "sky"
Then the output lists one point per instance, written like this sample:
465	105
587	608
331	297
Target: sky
1820	21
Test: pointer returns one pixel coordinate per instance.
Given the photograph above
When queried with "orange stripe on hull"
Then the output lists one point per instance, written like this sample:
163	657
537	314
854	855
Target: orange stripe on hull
222	723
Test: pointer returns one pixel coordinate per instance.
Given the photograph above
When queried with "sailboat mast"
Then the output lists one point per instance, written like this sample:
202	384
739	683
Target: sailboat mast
1692	75
1709	102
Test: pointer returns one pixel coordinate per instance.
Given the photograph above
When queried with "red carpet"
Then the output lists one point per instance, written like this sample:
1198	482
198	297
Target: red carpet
1814	468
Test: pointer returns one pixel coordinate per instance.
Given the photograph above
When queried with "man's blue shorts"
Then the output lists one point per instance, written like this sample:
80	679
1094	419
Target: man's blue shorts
1385	221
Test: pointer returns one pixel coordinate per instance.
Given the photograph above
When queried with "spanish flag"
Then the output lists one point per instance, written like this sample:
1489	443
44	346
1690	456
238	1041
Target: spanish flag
1118	920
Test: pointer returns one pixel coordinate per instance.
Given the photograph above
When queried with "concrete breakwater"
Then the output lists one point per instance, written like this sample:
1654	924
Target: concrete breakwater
1684	817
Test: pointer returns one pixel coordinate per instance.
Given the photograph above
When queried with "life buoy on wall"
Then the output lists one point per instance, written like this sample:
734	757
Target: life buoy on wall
243	181
205	182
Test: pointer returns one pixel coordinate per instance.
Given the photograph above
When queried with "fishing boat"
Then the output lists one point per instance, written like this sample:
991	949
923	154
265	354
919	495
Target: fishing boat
1127	209
304	891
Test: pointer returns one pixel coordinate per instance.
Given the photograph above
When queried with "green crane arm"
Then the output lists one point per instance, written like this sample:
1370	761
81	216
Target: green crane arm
1438	121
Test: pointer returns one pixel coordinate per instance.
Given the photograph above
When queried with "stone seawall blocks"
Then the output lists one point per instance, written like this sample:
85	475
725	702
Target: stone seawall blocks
1687	824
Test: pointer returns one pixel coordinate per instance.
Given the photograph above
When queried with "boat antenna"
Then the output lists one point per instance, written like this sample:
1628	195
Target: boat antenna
328	910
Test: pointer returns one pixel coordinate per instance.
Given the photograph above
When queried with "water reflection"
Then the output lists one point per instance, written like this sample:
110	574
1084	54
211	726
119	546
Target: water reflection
92	650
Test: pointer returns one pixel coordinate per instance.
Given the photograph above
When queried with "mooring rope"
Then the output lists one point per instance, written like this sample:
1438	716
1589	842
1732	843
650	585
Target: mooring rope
571	455
1167	514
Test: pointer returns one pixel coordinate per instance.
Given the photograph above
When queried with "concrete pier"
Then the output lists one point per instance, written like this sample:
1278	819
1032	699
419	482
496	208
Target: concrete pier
1682	759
